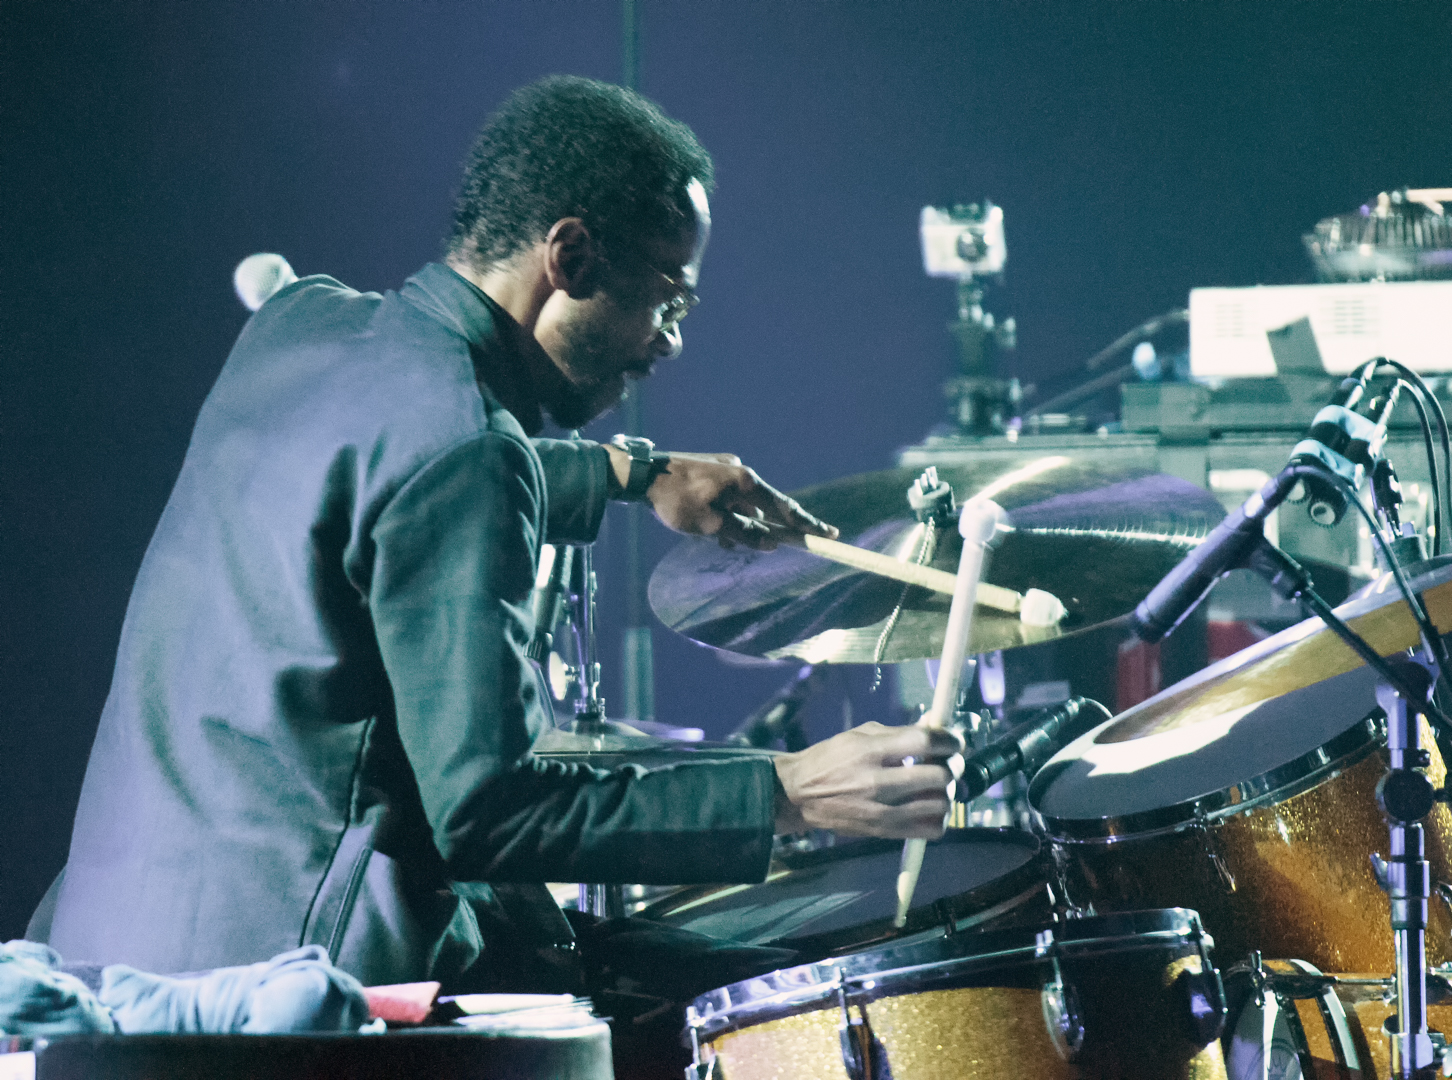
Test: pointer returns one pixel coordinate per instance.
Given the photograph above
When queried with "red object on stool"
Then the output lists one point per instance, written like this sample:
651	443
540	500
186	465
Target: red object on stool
401	1003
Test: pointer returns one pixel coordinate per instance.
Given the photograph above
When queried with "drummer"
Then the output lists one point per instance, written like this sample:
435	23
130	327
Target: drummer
319	725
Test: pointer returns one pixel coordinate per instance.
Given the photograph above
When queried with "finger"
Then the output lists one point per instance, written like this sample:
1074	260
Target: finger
740	529
898	787
923	819
787	510
891	745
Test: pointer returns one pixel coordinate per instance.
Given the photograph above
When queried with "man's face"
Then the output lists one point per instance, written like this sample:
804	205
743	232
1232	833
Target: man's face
627	323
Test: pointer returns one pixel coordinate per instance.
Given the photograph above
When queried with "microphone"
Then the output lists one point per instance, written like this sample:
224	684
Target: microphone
1344	442
1227	546
1027	746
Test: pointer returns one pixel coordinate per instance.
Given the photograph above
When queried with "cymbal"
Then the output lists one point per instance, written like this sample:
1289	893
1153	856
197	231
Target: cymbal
1297	657
620	743
1097	537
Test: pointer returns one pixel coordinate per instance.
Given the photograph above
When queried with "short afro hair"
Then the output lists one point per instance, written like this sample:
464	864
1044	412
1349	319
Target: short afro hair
573	147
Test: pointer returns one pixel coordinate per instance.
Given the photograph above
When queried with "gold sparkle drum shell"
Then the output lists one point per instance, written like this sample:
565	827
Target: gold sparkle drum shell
1263	821
1131	996
843	898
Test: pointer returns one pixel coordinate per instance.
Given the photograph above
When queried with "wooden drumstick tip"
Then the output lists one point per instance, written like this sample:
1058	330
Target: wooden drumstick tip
1041	608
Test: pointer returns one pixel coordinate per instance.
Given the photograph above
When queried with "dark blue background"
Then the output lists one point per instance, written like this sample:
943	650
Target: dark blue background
1138	150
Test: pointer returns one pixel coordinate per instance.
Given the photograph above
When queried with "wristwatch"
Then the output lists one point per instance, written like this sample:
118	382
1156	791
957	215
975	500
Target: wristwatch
646	463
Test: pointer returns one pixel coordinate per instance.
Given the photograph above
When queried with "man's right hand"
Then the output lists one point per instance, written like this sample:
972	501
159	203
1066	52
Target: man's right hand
856	783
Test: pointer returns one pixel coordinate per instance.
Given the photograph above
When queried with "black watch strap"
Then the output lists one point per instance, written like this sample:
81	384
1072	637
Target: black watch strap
645	465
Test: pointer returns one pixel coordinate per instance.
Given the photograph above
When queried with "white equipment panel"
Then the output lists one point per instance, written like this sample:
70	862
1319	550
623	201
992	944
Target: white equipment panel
1409	321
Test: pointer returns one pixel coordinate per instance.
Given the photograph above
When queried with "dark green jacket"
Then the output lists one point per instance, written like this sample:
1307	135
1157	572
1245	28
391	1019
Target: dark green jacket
321	713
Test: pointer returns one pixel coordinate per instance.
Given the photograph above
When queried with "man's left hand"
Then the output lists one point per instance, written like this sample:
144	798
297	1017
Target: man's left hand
716	495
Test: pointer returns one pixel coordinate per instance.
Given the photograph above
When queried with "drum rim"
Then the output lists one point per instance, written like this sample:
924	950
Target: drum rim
1271	787
938	918
869	974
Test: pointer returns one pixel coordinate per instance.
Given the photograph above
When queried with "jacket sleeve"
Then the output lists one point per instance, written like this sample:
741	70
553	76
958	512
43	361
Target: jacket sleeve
576	486
455	555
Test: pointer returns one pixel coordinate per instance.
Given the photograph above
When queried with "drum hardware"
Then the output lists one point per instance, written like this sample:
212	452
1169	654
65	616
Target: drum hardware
862	1054
1290	1016
978	525
1406	796
932	504
1212	852
1063	1016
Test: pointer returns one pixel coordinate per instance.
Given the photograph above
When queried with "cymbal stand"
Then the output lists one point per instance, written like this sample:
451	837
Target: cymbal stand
590	707
606	901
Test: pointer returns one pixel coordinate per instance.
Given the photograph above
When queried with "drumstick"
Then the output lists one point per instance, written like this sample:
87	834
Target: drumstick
1041	609
978	523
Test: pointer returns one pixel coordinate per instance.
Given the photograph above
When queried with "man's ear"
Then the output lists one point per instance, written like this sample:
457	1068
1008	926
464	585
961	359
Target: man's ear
572	258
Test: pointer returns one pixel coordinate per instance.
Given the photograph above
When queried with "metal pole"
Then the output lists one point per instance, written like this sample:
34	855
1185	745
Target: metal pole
637	659
1406	796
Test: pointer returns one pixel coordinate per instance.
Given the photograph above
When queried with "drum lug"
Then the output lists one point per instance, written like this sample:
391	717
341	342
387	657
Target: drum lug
1203	993
1207	840
1062	904
862	1054
698	1069
1062	1014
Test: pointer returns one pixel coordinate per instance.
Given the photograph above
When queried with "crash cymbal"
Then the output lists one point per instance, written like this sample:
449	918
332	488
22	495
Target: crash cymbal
1096	537
1297	657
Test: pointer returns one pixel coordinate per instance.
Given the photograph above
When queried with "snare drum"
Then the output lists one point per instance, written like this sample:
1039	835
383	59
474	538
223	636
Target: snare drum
1262	820
1301	1024
1121	997
841	899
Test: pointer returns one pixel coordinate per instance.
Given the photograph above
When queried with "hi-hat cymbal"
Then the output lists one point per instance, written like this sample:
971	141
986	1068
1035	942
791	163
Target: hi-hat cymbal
610	750
1097	537
1297	657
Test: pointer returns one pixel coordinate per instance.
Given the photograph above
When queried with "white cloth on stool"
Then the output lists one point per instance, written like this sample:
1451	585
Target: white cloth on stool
37	999
297	991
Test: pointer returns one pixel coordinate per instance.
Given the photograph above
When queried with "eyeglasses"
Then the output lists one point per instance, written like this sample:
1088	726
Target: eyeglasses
682	299
671	311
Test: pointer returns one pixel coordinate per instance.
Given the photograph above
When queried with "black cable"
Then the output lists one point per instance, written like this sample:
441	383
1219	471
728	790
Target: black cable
1445	497
1421	406
1431	637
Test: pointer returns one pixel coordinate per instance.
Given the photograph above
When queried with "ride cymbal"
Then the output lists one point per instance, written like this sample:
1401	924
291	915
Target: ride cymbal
1096	537
1297	657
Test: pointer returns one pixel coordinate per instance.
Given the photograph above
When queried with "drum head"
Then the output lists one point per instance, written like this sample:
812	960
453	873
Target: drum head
845	895
1258	752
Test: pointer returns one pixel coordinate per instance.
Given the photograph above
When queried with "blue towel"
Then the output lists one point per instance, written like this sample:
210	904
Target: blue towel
298	991
37	999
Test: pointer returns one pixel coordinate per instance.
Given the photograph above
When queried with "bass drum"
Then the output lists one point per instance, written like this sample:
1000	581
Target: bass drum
843	898
1119	997
1263	820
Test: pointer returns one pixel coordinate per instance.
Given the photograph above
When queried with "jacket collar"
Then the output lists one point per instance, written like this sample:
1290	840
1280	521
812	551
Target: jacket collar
446	296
